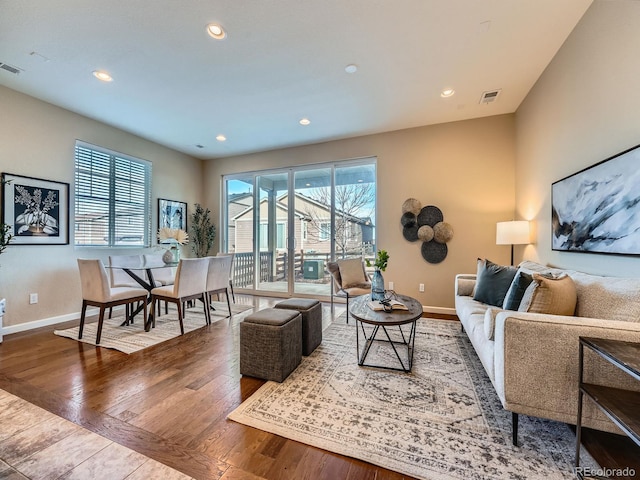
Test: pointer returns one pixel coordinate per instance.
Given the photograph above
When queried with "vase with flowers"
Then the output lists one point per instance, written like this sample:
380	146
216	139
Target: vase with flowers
377	282
174	237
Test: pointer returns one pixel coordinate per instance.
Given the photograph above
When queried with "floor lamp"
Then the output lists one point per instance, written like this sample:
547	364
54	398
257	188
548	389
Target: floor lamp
515	232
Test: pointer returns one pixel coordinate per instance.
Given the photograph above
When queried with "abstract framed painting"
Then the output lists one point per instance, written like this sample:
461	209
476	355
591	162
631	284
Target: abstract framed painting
172	214
597	210
36	209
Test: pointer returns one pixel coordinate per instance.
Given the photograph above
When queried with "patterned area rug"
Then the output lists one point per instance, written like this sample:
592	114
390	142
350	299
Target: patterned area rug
132	338
442	421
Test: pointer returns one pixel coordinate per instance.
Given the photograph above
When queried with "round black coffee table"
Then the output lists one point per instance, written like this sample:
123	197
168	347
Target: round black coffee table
381	321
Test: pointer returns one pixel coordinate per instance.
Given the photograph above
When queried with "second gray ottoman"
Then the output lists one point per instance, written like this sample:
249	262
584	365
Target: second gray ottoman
270	344
311	311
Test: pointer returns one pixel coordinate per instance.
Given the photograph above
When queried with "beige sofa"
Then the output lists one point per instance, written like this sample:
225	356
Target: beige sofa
532	358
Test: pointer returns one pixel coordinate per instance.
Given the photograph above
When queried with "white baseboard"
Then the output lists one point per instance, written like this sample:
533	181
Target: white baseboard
440	310
45	322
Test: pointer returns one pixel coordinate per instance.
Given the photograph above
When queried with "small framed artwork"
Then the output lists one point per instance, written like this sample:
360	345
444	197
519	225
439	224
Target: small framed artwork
37	210
172	214
597	210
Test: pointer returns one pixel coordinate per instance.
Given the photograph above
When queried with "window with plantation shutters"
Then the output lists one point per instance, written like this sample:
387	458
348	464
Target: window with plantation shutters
112	198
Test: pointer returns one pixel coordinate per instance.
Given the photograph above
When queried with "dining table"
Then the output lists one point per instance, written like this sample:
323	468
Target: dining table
147	282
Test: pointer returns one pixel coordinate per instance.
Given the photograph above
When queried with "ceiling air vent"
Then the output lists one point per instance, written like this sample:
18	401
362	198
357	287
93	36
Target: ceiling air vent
490	96
9	68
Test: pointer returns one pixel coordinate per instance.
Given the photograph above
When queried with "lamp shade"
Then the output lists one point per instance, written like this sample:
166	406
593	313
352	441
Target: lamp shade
515	232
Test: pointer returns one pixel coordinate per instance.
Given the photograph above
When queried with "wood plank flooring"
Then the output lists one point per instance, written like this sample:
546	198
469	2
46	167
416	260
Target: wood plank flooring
170	403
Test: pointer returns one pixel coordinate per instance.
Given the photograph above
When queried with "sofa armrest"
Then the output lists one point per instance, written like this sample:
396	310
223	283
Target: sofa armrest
536	364
465	283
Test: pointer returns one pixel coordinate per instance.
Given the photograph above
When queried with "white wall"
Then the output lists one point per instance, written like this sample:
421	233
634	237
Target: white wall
583	109
37	139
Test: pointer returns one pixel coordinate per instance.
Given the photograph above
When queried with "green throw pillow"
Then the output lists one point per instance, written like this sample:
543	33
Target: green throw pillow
492	282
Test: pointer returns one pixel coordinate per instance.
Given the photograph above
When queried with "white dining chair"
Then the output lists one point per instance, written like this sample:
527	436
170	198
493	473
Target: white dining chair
190	284
162	276
218	278
118	277
97	292
233	258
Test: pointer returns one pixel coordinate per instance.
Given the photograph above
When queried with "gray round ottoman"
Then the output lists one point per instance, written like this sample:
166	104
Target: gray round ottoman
270	345
311	311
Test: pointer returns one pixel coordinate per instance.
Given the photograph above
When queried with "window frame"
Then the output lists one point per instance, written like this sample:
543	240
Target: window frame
99	187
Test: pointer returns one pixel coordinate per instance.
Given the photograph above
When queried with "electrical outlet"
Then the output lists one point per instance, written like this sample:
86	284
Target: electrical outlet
390	285
33	298
421	287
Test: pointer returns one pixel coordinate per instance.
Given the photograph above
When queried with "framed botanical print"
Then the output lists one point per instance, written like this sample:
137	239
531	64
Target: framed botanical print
37	210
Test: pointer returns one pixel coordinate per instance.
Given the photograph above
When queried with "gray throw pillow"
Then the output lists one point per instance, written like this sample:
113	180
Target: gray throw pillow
492	282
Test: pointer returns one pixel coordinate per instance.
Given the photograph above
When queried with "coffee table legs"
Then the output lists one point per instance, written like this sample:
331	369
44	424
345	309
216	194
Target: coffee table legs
407	342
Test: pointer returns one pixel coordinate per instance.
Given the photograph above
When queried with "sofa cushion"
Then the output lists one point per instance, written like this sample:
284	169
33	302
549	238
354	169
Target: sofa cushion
492	282
490	321
552	295
609	298
516	290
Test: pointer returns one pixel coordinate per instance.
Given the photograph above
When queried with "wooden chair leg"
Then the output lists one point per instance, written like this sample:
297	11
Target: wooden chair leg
206	303
152	314
180	310
82	316
144	314
110	311
166	308
100	322
232	294
228	304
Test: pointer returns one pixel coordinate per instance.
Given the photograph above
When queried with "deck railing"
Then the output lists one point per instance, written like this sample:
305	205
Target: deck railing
270	271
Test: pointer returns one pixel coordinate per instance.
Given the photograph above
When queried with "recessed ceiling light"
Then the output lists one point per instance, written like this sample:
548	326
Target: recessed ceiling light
221	138
307	184
447	92
102	75
216	31
304	121
351	68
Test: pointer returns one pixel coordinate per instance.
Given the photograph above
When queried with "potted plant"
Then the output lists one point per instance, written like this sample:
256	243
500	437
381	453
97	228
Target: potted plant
377	282
203	231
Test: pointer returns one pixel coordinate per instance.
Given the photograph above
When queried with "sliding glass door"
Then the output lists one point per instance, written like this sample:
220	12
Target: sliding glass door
285	225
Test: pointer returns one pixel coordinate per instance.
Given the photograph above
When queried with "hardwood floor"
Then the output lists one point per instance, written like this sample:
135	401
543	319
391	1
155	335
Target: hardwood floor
170	402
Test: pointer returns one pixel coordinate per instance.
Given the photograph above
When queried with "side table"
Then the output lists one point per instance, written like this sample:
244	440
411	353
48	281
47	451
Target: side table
384	321
621	406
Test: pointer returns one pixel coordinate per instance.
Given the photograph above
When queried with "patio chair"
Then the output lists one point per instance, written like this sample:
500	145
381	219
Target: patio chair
349	279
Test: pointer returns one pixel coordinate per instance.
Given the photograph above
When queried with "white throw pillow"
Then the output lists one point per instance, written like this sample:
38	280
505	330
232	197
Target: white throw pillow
490	321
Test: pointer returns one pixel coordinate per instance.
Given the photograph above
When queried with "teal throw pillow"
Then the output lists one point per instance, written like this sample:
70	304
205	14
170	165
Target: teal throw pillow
518	286
493	282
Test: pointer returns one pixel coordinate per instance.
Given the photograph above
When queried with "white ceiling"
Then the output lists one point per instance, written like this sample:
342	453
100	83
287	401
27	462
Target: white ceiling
282	60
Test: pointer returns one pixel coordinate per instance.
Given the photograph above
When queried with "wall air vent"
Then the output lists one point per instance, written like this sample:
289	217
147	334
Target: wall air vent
490	96
9	68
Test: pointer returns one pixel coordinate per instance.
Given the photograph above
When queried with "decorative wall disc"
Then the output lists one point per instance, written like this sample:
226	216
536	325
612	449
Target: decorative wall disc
408	219
442	232
411	205
425	233
410	233
430	215
434	252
